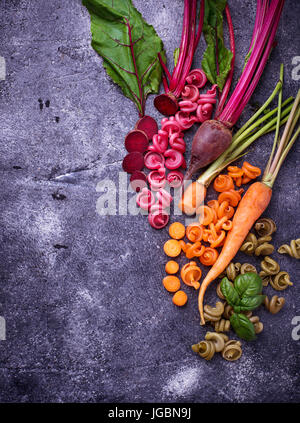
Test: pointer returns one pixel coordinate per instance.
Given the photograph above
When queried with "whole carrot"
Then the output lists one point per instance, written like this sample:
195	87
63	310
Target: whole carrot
256	199
252	205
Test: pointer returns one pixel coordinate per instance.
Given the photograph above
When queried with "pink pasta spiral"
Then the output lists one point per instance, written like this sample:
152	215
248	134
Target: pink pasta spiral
197	77
190	92
145	199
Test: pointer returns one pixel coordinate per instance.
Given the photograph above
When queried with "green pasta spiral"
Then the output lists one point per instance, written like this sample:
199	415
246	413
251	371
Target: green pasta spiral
269	267
206	349
250	244
247	267
258	326
265	226
213	314
275	304
232	350
281	281
293	249
222	325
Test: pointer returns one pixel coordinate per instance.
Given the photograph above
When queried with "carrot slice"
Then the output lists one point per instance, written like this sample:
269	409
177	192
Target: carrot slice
172	248
180	298
172	267
171	283
177	230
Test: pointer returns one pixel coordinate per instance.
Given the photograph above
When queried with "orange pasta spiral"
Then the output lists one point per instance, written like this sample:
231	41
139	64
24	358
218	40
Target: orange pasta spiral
194	232
251	171
223	183
209	256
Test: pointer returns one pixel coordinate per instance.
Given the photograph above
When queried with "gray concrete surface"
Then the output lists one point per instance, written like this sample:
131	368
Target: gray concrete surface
87	318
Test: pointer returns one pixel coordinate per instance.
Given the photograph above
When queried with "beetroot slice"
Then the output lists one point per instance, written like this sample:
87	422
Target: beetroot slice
166	104
148	125
136	140
133	161
138	180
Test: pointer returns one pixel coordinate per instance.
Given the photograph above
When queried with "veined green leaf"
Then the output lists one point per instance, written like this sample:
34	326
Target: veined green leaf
129	48
216	61
242	326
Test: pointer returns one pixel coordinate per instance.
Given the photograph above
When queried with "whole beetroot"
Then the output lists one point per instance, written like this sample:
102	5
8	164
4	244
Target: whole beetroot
210	141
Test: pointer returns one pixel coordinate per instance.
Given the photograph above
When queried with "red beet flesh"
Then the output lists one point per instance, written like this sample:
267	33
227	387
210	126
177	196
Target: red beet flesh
136	140
210	141
133	161
148	125
138	180
166	104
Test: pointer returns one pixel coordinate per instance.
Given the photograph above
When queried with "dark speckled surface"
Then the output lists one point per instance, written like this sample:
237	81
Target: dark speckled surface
90	321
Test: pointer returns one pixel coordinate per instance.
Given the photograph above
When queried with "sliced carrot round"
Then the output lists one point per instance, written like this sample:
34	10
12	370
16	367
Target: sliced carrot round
177	230
180	298
172	267
171	283
172	248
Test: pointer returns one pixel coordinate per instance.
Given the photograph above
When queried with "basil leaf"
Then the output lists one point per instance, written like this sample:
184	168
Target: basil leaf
128	46
213	34
229	292
248	284
242	326
250	303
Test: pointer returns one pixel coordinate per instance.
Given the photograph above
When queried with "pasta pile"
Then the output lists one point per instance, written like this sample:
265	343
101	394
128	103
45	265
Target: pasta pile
218	342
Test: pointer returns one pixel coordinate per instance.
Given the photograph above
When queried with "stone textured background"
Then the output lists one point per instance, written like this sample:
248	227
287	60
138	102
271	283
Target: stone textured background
87	318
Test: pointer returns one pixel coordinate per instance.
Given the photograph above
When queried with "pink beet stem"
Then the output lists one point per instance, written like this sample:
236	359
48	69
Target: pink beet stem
258	72
250	68
190	52
165	69
183	45
165	84
200	24
228	82
261	11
